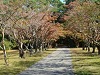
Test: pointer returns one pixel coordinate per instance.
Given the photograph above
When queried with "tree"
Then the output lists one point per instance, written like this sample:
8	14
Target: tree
83	21
30	21
3	19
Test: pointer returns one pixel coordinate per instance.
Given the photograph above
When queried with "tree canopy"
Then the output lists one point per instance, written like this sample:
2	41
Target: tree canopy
34	25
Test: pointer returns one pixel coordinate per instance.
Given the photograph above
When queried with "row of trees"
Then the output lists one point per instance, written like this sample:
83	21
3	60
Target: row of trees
84	23
32	27
35	24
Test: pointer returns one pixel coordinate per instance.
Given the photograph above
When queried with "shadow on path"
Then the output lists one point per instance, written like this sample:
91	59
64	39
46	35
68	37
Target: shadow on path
57	63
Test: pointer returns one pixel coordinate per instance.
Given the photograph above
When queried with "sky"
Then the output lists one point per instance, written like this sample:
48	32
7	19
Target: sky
62	1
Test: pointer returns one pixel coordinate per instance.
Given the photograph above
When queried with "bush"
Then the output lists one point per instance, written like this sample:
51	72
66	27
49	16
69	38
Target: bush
8	44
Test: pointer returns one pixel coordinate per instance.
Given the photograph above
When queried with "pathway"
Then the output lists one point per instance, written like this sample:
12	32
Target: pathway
57	63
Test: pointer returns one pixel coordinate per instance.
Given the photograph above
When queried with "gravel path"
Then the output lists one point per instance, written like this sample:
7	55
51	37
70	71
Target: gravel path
57	63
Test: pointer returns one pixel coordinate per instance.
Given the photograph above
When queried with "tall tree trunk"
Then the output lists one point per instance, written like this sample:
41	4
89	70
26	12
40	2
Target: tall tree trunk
93	47
36	46
48	45
83	45
41	47
77	43
98	47
31	50
45	46
88	48
88	45
3	46
21	51
93	37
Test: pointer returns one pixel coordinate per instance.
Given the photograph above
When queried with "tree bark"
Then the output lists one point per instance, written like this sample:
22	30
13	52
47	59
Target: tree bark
3	46
88	48
41	47
93	48
77	43
98	47
83	46
31	49
45	48
88	45
21	51
36	46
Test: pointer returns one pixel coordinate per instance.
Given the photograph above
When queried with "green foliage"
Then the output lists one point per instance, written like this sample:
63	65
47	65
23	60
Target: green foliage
58	7
68	1
8	44
51	5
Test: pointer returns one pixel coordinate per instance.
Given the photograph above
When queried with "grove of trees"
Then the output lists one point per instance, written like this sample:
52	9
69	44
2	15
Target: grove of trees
29	24
34	25
84	23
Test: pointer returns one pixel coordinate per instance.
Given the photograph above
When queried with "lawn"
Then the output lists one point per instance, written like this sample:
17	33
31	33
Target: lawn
85	63
16	64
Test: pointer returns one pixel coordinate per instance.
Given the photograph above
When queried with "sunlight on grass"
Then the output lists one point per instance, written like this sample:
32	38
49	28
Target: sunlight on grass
85	63
16	64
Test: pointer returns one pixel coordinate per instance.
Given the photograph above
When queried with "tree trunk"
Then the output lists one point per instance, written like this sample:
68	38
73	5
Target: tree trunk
98	47
40	44
36	46
21	51
3	46
48	45
77	43
83	46
31	50
45	48
88	45
88	48
41	48
93	48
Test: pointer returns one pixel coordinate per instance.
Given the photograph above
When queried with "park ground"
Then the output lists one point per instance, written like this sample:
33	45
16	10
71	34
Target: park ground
84	63
17	64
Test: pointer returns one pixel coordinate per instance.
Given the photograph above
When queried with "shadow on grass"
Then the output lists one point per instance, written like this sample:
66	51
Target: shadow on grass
81	53
10	71
85	63
81	59
25	63
20	65
51	50
83	72
7	70
96	63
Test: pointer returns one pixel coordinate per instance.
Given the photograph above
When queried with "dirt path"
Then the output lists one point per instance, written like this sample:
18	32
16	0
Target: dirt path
57	63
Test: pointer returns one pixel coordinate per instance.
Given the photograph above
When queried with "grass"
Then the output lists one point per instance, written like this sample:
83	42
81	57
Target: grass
85	63
16	64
